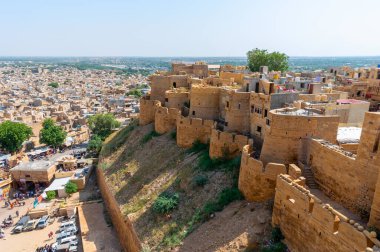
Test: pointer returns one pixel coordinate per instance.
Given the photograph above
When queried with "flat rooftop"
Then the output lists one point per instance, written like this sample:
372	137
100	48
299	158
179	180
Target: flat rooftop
297	112
349	134
38	165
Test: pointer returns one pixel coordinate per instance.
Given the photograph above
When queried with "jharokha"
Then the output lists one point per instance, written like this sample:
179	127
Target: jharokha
307	141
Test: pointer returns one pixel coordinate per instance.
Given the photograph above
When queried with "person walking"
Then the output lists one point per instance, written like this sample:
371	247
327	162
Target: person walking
17	213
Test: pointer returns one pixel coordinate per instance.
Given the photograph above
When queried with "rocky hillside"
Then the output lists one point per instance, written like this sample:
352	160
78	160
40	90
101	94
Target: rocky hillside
175	197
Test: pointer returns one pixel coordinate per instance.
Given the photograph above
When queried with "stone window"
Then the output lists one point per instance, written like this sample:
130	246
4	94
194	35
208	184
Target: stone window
258	129
252	109
193	112
376	145
227	104
174	84
265	113
268	122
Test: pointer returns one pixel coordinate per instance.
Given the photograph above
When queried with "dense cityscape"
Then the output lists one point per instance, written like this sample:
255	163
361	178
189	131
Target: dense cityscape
189	126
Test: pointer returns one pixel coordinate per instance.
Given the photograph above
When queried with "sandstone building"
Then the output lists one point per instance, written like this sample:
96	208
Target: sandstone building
285	130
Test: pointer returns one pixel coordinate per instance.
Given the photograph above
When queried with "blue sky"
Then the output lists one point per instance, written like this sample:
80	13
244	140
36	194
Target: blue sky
189	28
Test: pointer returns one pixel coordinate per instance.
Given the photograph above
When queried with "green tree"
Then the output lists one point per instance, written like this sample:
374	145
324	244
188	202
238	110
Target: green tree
13	134
50	195
48	122
71	188
95	144
135	92
53	84
52	134
275	61
103	124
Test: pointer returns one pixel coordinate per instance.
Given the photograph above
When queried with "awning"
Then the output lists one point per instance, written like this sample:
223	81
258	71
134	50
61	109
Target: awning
58	184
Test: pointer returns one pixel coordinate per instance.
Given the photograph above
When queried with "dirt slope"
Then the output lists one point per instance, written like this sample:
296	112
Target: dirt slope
139	166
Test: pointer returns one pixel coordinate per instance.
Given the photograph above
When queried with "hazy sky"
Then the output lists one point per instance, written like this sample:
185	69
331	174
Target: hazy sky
189	27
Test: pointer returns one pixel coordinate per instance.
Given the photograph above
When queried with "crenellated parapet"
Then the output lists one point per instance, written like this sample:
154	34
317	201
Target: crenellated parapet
190	130
148	110
225	144
258	182
309	224
165	119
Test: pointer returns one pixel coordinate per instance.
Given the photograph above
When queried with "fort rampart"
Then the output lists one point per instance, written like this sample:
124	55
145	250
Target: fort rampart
258	182
190	130
165	119
148	110
123	226
225	144
310	225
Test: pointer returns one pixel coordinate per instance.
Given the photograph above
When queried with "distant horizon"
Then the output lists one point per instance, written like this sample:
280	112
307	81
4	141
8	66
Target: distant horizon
57	56
172	29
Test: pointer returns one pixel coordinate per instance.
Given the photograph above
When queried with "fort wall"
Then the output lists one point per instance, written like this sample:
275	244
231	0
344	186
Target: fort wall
340	178
256	181
148	110
159	85
347	178
178	81
123	226
165	119
190	130
176	99
237	77
317	97
227	144
310	225
204	102
237	112
283	140
259	112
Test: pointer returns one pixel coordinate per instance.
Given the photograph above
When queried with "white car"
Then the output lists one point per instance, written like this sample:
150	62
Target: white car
66	225
72	240
32	224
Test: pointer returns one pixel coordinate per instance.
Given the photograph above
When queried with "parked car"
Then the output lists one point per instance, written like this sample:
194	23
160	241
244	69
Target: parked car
30	225
66	233
43	222
72	230
20	224
66	225
73	248
72	240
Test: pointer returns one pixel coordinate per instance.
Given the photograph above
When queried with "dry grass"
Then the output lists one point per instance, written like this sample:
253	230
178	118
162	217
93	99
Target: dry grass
139	171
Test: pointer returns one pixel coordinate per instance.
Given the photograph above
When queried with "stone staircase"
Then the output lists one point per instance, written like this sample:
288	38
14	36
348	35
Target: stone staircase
309	176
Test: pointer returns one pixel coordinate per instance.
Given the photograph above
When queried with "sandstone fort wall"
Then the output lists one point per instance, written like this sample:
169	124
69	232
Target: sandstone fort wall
256	182
204	102
189	130
227	144
124	228
284	138
237	112
309	225
237	77
176	99
339	177
159	85
148	110
165	119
